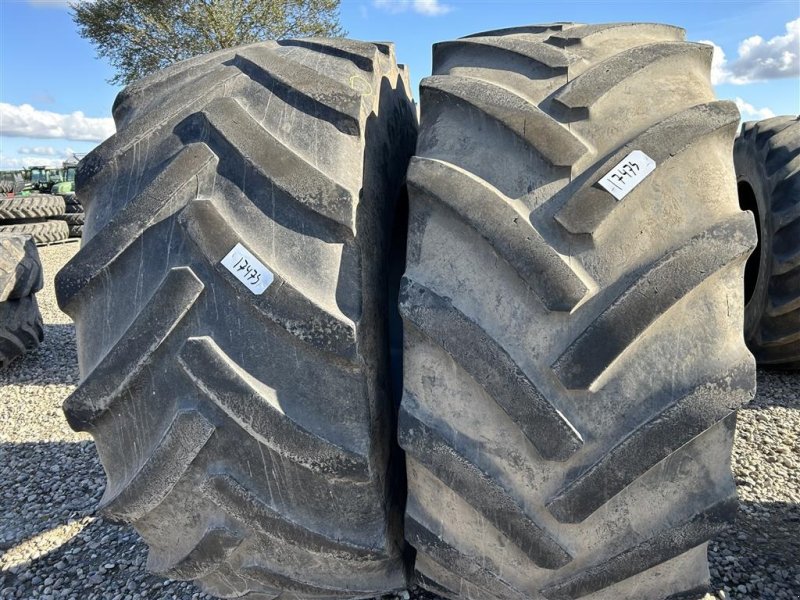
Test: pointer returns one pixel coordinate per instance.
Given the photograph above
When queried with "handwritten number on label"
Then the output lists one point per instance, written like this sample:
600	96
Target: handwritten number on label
629	173
248	269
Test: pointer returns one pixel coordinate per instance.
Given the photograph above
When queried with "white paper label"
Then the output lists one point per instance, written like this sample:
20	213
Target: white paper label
248	269
628	174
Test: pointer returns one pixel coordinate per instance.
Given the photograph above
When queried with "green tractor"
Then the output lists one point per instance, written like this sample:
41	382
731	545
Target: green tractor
66	184
37	178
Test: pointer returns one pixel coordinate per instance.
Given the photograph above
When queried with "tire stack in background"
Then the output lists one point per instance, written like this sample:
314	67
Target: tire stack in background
20	278
34	216
73	215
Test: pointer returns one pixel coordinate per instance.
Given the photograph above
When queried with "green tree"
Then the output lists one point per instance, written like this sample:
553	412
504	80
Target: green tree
140	37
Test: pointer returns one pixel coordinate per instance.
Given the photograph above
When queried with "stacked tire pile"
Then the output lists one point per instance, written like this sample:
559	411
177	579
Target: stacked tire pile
549	323
37	215
73	215
12	185
20	279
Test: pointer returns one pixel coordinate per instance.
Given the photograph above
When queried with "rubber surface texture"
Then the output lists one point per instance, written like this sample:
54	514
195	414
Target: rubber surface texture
20	267
572	362
42	231
21	328
767	159
247	436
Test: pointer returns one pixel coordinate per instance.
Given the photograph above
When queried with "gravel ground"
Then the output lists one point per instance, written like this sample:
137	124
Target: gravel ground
52	545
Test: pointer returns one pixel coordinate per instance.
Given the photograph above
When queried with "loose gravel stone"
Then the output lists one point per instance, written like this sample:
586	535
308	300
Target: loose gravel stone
53	545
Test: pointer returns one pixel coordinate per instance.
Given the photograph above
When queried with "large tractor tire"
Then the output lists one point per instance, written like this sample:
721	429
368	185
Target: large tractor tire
245	427
573	362
767	159
31	207
43	232
21	328
20	268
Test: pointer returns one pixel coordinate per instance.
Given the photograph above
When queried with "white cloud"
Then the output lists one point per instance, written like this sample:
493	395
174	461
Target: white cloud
40	155
12	163
750	112
759	59
431	8
38	150
26	121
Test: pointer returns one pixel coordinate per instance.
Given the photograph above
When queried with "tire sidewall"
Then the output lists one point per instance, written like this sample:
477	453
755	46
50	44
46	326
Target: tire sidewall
750	168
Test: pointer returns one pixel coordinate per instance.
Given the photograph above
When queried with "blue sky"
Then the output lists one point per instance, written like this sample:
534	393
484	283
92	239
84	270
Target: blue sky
55	98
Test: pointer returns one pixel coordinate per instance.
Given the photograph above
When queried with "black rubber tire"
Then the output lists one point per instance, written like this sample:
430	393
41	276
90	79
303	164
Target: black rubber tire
248	438
572	362
71	199
35	206
43	232
21	328
767	159
73	218
74	209
20	267
76	231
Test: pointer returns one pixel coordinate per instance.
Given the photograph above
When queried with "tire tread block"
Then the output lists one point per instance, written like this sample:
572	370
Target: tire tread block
491	366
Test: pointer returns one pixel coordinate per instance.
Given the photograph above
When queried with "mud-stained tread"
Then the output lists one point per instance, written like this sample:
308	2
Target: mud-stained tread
616	320
309	90
679	423
297	151
492	367
167	194
590	86
165	465
669	543
650	297
282	584
491	214
158	319
294	310
20	268
767	160
526	120
361	54
439	456
281	167
243	504
590	206
205	557
253	406
21	328
467	567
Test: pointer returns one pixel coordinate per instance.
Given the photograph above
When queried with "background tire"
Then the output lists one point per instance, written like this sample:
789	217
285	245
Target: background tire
20	328
31	207
73	218
20	267
75	231
42	232
71	199
572	362
767	159
254	456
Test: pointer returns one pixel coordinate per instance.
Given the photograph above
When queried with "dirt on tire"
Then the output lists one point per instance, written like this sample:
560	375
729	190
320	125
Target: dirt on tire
572	362
242	413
